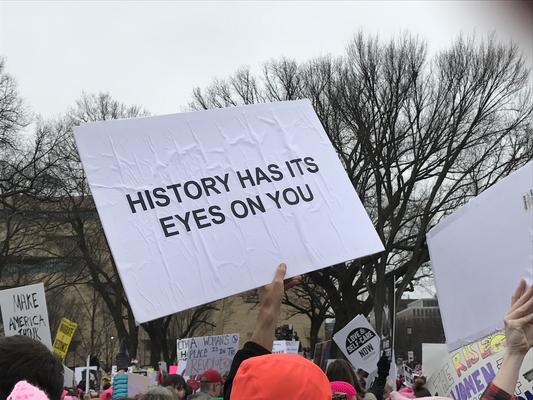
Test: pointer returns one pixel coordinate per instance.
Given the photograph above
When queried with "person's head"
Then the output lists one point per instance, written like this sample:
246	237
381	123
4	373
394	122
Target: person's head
389	387
280	376
211	383
157	393
23	358
341	370
419	387
344	387
177	384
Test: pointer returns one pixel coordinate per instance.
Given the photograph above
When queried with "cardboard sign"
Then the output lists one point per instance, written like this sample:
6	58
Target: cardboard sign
24	312
64	336
322	353
198	354
359	343
285	346
137	384
200	206
484	247
465	373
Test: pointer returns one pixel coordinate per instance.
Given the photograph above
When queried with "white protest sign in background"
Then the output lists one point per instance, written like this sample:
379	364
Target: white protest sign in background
484	247
432	356
360	343
24	312
198	354
285	346
199	206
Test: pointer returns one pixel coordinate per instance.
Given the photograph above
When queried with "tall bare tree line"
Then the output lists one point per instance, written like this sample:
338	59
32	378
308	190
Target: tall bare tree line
418	136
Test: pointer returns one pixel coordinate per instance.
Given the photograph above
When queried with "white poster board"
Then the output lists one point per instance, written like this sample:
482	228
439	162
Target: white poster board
203	205
24	312
285	346
198	354
138	384
360	343
484	247
432	356
465	373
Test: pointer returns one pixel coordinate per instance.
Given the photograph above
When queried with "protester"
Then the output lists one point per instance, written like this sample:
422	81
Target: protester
177	385
26	359
419	387
518	341
378	386
157	393
342	370
211	384
256	373
120	385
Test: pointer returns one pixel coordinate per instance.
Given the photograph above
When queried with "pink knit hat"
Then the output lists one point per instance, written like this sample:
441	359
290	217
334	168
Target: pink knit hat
26	391
343	387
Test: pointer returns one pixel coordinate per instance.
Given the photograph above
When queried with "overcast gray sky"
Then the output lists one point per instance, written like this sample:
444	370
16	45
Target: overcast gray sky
155	53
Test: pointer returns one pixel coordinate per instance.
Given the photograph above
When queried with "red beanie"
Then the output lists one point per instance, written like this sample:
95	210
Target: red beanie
280	376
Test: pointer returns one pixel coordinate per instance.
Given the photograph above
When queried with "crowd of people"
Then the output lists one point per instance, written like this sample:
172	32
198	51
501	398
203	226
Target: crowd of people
29	371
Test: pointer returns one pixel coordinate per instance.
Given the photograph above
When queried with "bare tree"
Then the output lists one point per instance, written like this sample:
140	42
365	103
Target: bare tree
417	138
164	332
309	299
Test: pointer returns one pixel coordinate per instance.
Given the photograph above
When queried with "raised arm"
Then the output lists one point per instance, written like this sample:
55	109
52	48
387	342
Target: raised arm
519	339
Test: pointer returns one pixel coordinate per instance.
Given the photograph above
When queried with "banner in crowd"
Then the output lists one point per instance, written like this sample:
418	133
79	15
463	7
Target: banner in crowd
24	312
360	343
286	346
467	371
64	336
200	206
491	239
322	354
198	354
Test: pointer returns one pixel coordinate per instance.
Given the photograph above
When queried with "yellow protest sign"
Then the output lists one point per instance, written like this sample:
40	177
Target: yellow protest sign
64	336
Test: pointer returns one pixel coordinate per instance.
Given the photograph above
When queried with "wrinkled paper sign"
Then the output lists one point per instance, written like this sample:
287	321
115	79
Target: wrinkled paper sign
203	205
285	346
483	248
360	343
199	354
24	312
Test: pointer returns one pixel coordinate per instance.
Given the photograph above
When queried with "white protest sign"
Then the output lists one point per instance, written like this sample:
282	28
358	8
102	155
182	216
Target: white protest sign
137	384
24	312
465	373
203	205
68	377
484	247
359	343
285	346
432	356
198	354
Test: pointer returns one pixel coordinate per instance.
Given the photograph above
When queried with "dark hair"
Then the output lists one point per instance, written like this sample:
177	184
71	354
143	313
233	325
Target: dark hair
341	370
419	389
23	358
176	381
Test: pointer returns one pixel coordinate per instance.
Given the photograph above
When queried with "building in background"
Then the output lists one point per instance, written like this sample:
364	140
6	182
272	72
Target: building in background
420	322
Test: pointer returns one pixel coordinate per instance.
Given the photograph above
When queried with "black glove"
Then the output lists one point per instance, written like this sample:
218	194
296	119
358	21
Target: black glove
383	366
